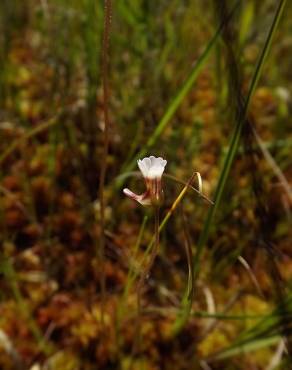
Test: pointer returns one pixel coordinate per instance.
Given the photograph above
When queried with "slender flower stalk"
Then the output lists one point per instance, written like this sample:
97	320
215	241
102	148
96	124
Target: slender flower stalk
152	169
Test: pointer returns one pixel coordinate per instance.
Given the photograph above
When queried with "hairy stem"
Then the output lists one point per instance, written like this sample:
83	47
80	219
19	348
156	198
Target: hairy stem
103	169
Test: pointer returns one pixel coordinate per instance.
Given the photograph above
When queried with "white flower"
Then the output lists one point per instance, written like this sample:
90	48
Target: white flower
152	169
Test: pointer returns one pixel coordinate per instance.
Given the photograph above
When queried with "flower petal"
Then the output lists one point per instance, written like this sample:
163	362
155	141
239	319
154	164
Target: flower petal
152	159
143	168
147	162
155	172
152	167
142	199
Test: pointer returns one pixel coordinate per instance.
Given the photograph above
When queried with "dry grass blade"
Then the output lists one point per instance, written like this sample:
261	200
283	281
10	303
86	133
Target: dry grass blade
251	274
188	248
277	170
178	200
276	359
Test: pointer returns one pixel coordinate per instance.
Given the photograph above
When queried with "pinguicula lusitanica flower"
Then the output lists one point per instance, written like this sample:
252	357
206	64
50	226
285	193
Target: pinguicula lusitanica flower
152	169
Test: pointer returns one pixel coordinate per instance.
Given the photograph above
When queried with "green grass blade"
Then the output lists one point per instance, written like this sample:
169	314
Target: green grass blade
235	139
177	100
186	308
265	332
7	269
243	348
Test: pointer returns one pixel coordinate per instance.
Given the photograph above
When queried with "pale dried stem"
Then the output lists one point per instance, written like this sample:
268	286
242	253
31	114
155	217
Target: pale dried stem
277	170
277	357
251	274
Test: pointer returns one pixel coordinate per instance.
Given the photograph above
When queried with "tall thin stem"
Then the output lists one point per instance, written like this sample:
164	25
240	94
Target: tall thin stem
142	279
103	169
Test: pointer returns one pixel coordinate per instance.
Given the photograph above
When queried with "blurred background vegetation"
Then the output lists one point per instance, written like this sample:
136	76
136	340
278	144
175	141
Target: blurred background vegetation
204	84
